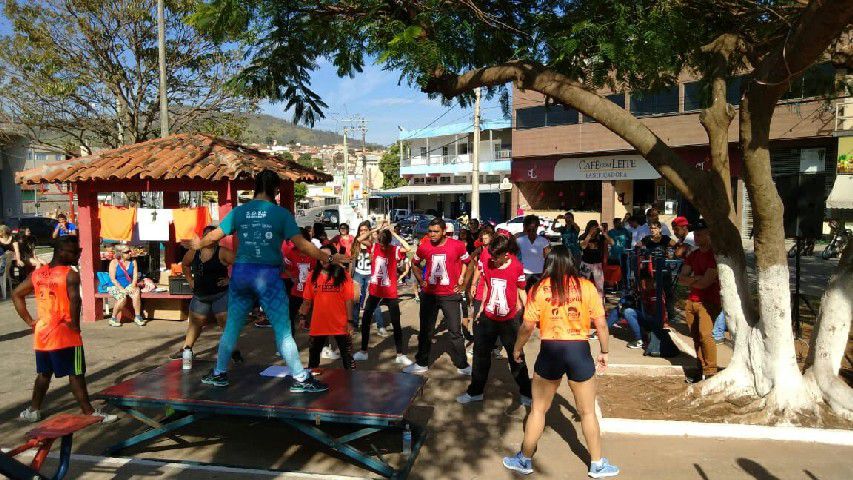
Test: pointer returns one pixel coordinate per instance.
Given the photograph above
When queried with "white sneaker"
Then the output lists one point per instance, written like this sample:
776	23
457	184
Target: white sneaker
114	322
465	399
465	371
470	352
402	360
525	401
329	354
415	369
105	417
30	415
497	352
140	321
360	356
382	332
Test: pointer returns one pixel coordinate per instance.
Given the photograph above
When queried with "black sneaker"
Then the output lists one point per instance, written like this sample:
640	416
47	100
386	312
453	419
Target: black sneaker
237	357
694	379
220	380
309	385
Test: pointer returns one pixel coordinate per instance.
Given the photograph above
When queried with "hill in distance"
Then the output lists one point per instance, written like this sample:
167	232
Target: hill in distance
264	129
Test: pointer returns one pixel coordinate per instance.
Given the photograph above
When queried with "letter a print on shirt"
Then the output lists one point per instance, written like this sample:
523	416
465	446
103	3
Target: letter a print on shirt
380	275
438	270
498	303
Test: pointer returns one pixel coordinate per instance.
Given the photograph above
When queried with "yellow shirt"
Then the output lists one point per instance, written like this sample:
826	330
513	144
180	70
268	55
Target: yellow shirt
570	321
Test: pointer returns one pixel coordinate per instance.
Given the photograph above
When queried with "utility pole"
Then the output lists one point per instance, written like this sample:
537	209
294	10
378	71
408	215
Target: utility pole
161	47
345	196
475	160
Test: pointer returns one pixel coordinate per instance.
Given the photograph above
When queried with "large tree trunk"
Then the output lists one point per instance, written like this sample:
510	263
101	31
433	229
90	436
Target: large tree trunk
829	339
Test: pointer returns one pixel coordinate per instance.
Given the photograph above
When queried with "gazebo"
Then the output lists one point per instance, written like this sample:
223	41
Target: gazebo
178	163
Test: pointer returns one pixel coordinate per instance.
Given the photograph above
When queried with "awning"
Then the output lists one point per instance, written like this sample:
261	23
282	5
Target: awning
841	197
439	189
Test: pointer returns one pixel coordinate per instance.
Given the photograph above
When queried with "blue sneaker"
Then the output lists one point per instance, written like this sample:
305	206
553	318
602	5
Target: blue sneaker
603	469
519	463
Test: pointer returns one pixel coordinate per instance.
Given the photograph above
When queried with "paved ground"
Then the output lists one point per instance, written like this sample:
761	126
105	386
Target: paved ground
464	443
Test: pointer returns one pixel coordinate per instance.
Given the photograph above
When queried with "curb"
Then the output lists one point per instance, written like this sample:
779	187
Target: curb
621	369
726	430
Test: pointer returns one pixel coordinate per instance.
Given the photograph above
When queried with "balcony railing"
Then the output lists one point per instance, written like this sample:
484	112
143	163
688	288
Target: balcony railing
485	157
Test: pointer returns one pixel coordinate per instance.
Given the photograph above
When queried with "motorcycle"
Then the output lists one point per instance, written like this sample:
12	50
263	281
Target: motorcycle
838	242
806	248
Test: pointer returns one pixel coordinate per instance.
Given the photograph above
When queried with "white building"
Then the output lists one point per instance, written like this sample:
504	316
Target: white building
437	164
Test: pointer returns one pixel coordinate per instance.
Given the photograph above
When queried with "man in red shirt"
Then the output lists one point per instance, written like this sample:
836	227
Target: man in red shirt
499	317
703	303
446	261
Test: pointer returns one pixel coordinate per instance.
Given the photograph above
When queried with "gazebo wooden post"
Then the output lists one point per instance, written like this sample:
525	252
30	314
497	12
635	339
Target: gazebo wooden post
286	195
90	255
170	200
226	197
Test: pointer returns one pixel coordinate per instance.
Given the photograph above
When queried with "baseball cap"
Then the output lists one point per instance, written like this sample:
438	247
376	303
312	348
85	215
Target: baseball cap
700	225
680	222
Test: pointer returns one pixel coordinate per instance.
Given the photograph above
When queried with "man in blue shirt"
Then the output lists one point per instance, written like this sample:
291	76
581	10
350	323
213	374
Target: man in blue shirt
621	241
260	227
64	228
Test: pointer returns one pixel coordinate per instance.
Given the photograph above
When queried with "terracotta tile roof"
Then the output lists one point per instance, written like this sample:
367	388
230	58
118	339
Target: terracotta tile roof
183	156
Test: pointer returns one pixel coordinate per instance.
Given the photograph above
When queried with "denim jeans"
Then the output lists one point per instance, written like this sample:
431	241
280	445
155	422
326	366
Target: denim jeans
251	283
719	331
363	282
631	316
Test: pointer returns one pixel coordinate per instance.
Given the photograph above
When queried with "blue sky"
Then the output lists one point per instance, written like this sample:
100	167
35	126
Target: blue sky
375	95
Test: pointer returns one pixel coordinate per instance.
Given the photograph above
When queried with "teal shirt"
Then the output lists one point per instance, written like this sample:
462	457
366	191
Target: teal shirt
621	241
569	237
261	227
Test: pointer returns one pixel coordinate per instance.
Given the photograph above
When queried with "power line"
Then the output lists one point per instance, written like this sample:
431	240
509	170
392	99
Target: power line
435	120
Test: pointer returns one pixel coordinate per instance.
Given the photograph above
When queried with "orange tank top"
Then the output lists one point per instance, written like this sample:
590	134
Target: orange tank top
570	321
53	331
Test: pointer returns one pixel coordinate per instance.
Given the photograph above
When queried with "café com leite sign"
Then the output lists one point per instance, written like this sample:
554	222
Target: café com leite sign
614	167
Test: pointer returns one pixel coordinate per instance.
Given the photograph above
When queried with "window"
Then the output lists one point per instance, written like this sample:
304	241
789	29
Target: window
816	81
445	151
423	151
530	117
463	147
545	116
444	180
655	103
617	98
697	95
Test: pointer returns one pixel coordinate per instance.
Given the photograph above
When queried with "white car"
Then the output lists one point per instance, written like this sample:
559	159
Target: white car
516	226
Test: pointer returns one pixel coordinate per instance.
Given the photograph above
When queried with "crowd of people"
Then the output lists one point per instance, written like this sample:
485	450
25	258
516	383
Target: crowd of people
492	288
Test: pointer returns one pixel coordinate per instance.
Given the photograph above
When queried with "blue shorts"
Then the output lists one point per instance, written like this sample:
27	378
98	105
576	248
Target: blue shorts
62	362
571	358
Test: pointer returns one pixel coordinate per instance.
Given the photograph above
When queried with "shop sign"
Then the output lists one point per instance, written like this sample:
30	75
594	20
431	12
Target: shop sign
613	167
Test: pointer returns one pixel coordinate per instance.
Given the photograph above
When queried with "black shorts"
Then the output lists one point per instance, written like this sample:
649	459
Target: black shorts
571	358
59	363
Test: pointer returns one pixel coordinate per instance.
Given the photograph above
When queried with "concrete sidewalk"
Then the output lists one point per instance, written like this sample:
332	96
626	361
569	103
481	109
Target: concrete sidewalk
465	442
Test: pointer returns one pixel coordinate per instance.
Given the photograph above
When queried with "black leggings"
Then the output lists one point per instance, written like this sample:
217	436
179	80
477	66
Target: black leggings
317	342
393	309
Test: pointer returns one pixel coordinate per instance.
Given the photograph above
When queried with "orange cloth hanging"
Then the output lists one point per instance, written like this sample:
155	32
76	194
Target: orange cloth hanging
190	222
117	222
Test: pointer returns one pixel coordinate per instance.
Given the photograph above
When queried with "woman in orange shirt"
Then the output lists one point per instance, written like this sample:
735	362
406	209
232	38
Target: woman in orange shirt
563	304
329	295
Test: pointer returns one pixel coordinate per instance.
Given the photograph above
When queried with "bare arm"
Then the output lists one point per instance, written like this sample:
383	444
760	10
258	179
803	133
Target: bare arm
522	297
226	256
416	270
212	237
524	333
460	284
55	231
113	266
404	245
603	340
19	299
475	279
186	267
75	302
312	251
686	276
707	279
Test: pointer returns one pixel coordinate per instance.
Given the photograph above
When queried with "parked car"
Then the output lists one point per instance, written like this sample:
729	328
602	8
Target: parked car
420	229
407	223
399	213
329	217
515	226
40	227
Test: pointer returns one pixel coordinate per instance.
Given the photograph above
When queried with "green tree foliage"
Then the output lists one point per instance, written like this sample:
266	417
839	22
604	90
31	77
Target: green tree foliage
305	159
389	164
300	191
86	72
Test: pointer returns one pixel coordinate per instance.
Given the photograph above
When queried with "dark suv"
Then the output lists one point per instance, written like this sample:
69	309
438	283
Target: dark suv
40	227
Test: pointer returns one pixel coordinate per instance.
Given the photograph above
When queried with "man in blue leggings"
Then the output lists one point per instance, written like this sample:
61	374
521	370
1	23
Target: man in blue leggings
260	227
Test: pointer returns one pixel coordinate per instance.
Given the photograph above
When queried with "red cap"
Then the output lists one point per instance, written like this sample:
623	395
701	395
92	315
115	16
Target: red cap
680	222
